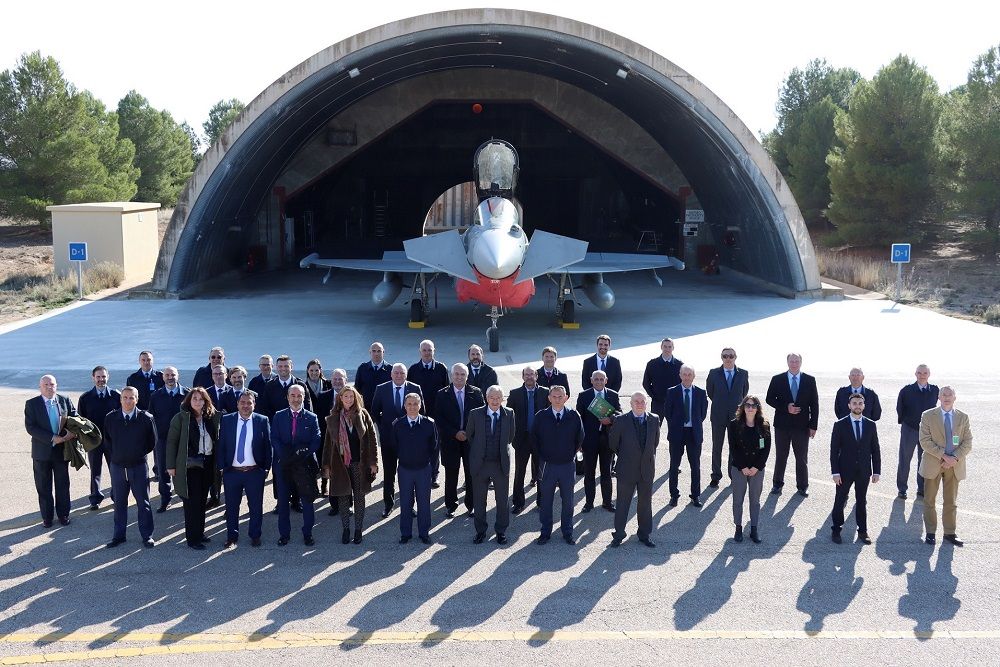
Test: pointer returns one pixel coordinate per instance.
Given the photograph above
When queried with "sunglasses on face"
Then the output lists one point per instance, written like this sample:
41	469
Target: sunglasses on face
215	356
729	356
751	405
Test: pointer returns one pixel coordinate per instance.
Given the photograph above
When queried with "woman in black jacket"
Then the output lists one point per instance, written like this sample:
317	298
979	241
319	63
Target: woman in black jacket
749	445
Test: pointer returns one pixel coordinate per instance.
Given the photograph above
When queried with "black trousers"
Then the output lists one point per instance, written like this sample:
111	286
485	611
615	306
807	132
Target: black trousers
354	472
591	457
860	483
718	441
798	440
97	458
521	459
53	471
451	468
390	461
199	480
693	450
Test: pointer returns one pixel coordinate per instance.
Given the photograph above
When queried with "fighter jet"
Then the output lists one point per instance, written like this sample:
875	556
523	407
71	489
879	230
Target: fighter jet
493	262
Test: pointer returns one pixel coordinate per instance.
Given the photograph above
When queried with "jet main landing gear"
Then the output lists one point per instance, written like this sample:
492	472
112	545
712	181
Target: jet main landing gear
493	333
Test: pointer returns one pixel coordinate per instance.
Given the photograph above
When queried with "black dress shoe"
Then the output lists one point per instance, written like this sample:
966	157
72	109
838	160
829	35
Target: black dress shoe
954	540
357	537
930	539
282	541
309	541
517	510
212	503
478	539
714	484
753	535
835	536
162	508
64	521
803	493
568	539
426	540
470	513
148	543
863	538
615	542
588	507
46	524
738	536
115	542
695	502
386	512
229	544
673	502
609	507
345	537
404	539
648	542
254	542
435	485
902	495
413	513
776	490
542	539
197	546
94	507
501	538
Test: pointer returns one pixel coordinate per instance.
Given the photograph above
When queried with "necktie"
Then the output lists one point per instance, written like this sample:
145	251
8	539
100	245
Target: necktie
128	418
948	447
399	398
548	374
531	407
496	418
558	417
53	415
857	429
238	392
729	379
475	373
413	425
461	408
601	363
427	366
241	442
295	422
687	405
795	388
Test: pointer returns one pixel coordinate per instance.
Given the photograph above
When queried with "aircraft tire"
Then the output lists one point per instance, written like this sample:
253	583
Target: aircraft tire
493	336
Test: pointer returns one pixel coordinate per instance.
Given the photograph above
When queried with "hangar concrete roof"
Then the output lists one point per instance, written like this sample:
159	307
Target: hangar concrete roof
735	181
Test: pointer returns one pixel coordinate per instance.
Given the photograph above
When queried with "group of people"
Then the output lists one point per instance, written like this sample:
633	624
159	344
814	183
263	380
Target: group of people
225	433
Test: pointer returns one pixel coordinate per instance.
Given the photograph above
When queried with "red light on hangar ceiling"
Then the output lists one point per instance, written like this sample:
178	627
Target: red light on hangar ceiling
477	108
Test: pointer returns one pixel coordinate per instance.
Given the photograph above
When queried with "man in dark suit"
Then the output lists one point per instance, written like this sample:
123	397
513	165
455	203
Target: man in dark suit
219	390
662	373
238	382
388	405
372	373
726	386
914	399
266	375
244	457
602	361
481	375
491	434
295	440
145	380
686	409
415	439
44	416
274	400
634	437
855	459
203	376
451	414
94	405
595	441
432	376
525	401
130	436
164	404
795	400
556	436
873	408
548	375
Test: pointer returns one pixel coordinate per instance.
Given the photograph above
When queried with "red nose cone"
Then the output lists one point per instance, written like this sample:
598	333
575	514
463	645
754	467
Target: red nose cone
477	108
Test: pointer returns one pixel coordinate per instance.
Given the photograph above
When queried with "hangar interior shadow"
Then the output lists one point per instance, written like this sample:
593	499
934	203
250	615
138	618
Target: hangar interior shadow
567	185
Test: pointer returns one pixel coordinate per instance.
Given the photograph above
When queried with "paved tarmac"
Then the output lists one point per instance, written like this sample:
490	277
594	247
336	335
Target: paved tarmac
696	597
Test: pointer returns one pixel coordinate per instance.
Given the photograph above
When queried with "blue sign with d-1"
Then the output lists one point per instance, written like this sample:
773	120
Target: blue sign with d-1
900	253
78	252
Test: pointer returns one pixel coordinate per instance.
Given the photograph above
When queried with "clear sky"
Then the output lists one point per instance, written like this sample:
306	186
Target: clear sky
185	56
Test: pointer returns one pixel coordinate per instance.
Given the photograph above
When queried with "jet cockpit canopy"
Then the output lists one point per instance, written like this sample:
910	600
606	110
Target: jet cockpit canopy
495	167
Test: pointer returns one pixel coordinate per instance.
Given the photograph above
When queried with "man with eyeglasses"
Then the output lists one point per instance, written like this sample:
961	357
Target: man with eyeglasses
203	376
726	386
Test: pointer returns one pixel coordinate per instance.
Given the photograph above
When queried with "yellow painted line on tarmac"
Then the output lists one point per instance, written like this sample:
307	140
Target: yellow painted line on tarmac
195	643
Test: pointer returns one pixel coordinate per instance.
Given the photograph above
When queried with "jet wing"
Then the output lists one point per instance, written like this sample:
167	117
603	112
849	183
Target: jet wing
392	262
617	262
549	253
444	253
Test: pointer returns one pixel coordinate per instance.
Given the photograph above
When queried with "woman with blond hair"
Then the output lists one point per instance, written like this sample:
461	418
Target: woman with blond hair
350	457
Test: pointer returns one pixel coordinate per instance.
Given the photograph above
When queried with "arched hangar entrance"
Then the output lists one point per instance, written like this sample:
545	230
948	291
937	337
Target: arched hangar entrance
346	152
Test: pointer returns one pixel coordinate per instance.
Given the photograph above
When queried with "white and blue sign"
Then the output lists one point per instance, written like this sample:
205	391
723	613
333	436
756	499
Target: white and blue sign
78	252
900	253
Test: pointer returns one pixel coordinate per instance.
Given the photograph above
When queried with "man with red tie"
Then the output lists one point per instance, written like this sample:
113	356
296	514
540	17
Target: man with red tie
550	376
295	438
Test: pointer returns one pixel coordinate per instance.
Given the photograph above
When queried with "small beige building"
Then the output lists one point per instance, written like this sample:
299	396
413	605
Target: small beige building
124	233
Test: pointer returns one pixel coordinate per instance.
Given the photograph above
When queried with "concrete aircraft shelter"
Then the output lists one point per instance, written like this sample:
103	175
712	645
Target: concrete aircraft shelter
346	152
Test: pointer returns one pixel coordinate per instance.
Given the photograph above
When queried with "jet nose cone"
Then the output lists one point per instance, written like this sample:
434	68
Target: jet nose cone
496	254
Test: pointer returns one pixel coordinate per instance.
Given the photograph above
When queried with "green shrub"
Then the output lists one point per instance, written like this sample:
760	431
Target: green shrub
992	315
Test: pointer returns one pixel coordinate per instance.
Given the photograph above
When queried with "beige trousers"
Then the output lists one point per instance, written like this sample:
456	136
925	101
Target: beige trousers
949	515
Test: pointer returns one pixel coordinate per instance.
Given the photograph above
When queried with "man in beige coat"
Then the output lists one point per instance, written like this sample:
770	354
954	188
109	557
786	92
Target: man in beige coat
946	440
